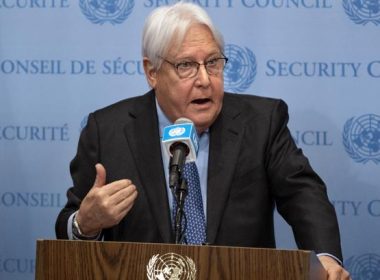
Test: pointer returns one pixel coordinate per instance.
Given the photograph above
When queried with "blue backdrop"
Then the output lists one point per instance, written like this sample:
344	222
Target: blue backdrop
61	59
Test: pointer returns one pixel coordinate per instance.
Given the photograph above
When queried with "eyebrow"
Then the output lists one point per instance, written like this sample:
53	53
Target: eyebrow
194	60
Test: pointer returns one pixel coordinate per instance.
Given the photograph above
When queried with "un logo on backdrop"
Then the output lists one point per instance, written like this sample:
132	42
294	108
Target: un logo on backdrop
101	11
361	138
364	267
363	11
240	70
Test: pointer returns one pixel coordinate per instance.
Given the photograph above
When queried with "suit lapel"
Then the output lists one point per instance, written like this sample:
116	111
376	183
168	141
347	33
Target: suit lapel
225	140
143	137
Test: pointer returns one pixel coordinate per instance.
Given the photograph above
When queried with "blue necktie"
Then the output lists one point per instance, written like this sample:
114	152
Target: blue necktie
195	218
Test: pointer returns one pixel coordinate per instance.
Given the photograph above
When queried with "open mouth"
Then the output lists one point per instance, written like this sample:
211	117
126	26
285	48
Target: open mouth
201	101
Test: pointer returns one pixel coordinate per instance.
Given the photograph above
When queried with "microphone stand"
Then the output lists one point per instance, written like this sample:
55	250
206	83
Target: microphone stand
181	194
178	186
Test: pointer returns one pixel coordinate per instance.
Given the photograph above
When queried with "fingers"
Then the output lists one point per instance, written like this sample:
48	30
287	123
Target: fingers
111	209
125	206
116	195
124	191
117	186
127	199
334	270
123	200
100	179
105	205
338	274
112	188
346	275
334	274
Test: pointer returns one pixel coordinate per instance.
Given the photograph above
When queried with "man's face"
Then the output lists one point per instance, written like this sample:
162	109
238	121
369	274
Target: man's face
198	98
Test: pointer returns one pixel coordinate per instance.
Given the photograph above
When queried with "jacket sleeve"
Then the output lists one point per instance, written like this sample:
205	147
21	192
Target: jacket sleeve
82	169
300	194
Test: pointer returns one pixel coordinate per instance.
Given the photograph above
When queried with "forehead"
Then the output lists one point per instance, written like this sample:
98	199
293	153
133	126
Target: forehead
198	39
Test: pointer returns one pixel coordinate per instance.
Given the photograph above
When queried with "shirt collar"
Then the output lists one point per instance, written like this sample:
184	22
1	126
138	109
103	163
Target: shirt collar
163	120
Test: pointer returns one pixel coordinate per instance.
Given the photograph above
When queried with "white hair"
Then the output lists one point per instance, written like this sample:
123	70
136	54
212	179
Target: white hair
168	25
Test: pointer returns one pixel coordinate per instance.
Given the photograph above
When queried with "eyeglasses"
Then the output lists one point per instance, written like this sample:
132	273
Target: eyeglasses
189	69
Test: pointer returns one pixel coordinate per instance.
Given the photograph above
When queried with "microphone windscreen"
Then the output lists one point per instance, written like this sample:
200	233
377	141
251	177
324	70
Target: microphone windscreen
182	131
183	120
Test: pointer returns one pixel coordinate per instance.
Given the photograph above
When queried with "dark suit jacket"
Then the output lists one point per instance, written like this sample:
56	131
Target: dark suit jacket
253	166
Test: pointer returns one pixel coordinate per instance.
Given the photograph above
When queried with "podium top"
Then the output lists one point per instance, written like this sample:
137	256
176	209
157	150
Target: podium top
69	259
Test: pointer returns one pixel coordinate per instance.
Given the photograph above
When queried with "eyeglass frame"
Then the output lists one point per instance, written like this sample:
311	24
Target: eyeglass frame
176	65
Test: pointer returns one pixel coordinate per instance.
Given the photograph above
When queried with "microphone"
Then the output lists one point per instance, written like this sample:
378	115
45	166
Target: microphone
181	143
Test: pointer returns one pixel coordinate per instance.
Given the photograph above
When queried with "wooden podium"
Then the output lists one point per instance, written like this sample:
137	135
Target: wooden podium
62	259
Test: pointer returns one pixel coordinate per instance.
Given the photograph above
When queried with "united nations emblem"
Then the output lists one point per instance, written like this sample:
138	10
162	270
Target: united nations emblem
364	267
363	11
171	266
240	70
361	138
101	11
177	131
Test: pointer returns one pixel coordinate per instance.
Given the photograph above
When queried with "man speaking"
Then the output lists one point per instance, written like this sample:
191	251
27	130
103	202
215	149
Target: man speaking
245	163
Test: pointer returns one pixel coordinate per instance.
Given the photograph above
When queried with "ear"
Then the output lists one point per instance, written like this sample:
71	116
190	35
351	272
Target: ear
150	72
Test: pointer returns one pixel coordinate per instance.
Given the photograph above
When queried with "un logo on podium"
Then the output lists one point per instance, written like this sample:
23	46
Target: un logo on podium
363	11
364	267
361	138
171	266
101	11
240	70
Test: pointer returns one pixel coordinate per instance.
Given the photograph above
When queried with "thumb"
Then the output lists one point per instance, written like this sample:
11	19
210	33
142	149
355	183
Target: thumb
100	179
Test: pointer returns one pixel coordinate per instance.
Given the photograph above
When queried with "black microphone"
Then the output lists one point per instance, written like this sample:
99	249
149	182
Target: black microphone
179	150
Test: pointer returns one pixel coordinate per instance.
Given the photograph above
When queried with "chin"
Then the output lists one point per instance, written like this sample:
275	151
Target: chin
202	126
203	120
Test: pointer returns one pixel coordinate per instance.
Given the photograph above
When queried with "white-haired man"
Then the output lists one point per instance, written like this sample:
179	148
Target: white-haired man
247	161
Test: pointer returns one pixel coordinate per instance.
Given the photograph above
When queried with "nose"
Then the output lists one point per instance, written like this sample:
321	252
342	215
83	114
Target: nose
203	78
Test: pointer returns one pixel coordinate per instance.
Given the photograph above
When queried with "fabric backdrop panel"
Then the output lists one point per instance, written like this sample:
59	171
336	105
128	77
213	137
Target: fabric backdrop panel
62	59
